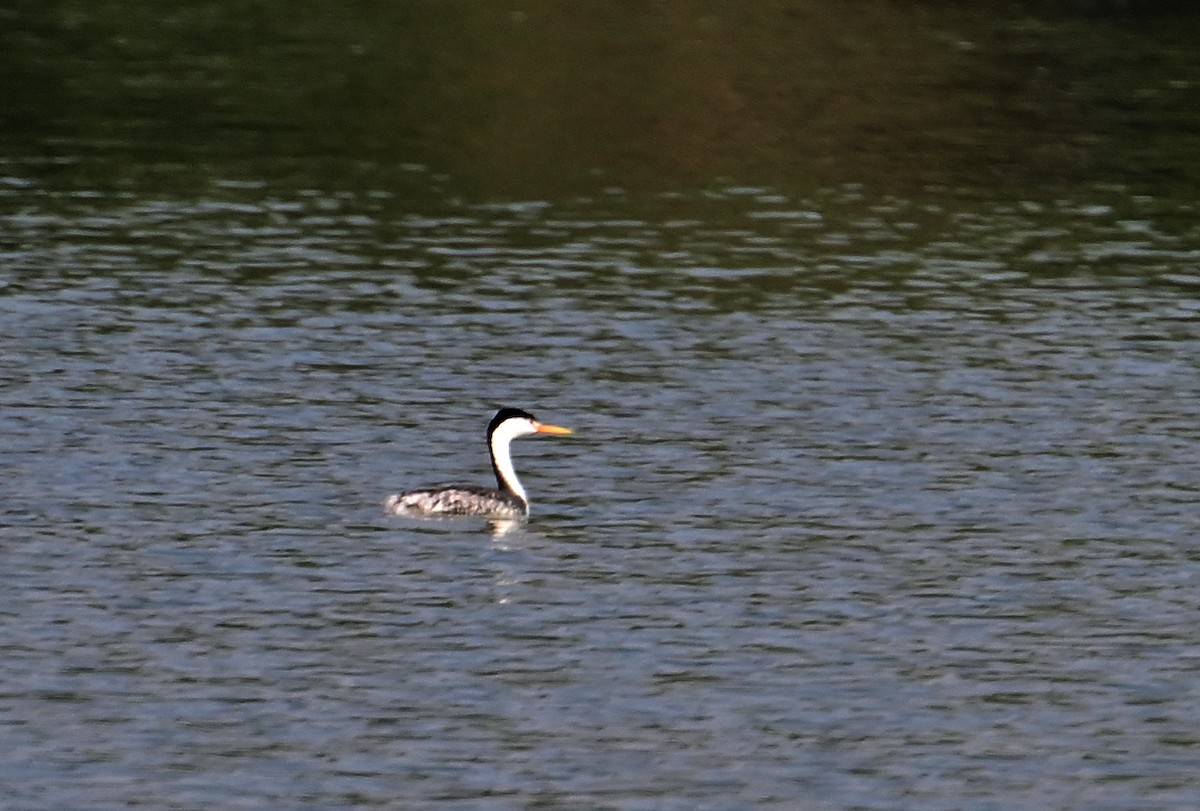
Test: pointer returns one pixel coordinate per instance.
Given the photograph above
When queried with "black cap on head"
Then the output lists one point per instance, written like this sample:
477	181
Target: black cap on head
507	414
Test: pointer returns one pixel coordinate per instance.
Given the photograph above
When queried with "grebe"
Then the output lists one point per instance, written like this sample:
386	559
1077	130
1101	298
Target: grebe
508	501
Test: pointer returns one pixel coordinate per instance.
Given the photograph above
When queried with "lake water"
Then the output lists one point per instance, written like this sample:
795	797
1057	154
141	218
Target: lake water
870	505
878	332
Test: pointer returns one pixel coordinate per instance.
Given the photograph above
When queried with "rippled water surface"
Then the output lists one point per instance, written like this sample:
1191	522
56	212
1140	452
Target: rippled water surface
871	503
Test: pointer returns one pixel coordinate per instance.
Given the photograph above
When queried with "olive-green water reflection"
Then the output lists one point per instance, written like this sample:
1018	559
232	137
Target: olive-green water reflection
532	98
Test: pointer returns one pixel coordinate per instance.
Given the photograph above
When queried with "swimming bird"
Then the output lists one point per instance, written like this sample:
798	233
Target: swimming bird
507	501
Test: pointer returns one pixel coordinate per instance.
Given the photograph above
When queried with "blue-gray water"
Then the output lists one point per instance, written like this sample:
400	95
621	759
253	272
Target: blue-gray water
873	503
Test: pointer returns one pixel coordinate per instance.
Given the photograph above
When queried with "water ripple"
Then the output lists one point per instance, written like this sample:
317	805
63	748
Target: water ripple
889	505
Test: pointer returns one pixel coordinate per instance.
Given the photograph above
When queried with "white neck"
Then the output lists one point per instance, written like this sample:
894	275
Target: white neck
502	437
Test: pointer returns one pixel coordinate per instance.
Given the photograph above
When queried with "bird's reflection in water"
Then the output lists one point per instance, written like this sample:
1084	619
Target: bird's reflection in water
503	528
511	561
514	535
517	559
